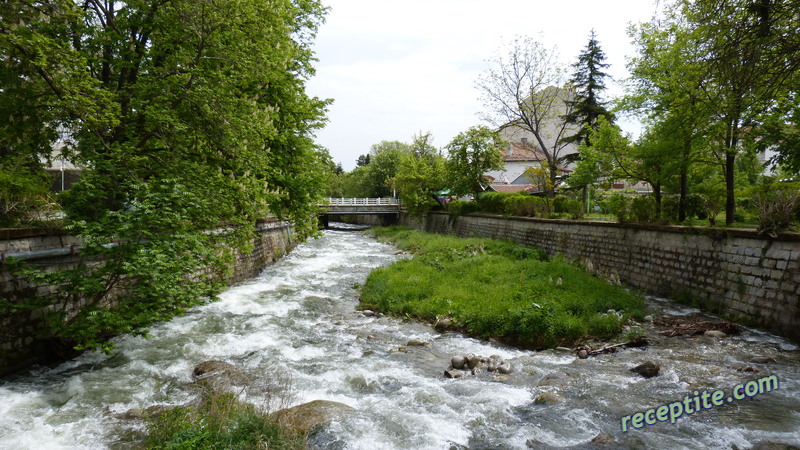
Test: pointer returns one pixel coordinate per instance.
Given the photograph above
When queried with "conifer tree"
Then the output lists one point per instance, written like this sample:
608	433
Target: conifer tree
588	80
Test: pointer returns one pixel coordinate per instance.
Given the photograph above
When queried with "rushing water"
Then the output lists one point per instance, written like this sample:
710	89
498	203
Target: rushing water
299	319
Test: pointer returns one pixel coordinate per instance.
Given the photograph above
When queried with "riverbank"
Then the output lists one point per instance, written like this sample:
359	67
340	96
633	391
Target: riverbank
24	340
496	289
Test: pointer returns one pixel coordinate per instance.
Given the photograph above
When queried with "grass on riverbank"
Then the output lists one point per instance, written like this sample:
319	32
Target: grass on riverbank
491	288
220	420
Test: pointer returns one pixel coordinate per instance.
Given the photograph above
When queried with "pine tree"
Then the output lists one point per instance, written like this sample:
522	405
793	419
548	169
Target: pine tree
588	80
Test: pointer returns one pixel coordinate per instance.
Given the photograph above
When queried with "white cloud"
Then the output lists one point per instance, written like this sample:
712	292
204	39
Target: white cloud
395	68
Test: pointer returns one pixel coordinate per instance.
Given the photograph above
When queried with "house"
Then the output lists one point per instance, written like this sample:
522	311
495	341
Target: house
524	150
519	157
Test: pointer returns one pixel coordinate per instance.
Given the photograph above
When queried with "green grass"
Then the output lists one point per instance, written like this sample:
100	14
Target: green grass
492	288
219	421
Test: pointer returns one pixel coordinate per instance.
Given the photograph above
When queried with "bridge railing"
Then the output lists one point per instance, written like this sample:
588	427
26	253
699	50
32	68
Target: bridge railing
353	201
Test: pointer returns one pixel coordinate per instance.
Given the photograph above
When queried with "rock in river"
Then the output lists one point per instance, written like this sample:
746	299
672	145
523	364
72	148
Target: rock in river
308	416
648	369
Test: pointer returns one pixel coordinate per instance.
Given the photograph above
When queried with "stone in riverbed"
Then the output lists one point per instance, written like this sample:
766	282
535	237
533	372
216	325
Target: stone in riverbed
417	343
309	416
458	362
648	369
715	334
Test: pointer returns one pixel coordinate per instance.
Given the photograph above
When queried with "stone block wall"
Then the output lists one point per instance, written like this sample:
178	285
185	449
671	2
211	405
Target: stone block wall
19	346
730	272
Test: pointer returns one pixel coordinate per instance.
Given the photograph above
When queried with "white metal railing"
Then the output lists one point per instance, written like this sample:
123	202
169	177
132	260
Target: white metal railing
345	201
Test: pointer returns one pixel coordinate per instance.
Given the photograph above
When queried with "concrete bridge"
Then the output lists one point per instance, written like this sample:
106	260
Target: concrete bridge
387	208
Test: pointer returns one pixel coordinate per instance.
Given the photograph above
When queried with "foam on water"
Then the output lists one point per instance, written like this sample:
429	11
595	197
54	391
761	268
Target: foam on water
297	319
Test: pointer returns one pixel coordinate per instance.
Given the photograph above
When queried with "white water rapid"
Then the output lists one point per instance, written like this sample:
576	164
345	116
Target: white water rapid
299	319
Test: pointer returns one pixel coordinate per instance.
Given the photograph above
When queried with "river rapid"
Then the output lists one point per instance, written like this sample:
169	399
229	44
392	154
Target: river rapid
298	320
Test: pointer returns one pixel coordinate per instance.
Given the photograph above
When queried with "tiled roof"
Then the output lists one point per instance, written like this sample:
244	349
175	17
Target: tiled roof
510	188
523	151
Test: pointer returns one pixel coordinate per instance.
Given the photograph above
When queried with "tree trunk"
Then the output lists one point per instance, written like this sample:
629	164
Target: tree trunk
657	195
730	200
684	188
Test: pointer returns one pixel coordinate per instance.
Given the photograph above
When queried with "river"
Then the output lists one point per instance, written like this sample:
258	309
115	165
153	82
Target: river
298	320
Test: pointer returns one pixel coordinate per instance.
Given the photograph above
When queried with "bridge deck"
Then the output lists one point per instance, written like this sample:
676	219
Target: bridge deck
341	205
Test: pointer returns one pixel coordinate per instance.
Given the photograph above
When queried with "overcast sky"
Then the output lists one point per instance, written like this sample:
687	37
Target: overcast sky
399	67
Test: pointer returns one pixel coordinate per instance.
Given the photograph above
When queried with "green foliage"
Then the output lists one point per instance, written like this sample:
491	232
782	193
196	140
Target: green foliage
527	205
778	207
493	202
163	261
219	421
588	79
471	154
420	176
22	194
540	303
572	206
643	209
187	118
620	206
460	207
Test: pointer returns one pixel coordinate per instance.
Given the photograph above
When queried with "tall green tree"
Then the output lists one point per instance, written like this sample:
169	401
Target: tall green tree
672	103
187	116
471	154
750	48
589	82
383	164
422	173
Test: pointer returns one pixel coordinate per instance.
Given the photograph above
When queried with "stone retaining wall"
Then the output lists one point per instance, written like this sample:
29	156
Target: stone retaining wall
19	347
730	272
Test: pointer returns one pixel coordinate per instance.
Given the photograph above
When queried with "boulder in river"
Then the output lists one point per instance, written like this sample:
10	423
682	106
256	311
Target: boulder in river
309	416
458	362
715	334
555	379
417	343
219	375
647	369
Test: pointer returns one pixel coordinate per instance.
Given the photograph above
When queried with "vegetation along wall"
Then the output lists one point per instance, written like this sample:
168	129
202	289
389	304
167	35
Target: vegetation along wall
19	344
727	271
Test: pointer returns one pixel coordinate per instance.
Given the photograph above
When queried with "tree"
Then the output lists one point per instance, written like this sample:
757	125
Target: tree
362	160
384	161
187	116
750	47
471	154
588	81
522	89
420	176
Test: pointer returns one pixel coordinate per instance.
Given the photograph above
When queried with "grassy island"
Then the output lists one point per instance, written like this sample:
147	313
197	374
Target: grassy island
491	288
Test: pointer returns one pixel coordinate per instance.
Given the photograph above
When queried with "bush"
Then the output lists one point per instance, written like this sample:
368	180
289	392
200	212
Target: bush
643	209
22	195
526	205
560	203
778	207
493	202
461	207
620	206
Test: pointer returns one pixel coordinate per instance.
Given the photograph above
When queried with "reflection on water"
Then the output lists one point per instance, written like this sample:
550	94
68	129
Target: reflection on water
299	316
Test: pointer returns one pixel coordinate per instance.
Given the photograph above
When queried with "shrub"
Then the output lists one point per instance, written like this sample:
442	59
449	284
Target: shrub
643	208
461	207
574	208
620	206
493	202
22	194
560	203
777	209
669	207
